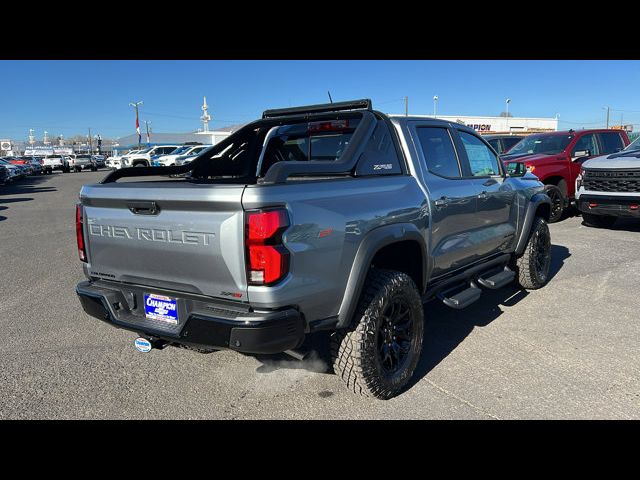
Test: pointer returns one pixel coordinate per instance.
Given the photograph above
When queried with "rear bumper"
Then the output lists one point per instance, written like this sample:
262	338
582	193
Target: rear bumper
611	205
202	323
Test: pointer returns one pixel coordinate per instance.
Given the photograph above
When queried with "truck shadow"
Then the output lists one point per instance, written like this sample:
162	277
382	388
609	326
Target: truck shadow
627	225
446	328
26	185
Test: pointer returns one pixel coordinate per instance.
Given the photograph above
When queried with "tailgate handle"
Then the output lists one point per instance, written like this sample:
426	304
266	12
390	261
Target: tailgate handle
143	208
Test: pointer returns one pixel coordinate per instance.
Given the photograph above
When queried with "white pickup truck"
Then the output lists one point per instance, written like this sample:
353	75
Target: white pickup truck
55	162
144	157
608	187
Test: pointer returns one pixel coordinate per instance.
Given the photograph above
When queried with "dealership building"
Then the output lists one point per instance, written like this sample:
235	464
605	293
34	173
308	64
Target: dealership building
502	124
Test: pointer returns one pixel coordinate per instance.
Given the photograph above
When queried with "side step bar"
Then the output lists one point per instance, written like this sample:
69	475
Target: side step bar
462	299
498	280
466	297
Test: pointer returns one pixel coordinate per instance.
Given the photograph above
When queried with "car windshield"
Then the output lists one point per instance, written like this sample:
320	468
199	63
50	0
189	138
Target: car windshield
548	144
635	145
179	150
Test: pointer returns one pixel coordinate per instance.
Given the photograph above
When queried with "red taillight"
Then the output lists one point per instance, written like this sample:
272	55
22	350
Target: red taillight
264	225
80	234
267	258
334	125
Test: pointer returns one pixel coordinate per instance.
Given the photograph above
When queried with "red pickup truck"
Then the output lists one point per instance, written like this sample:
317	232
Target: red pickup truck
555	158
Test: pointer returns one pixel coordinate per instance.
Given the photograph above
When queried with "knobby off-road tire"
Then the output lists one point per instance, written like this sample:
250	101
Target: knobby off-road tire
599	221
372	358
532	267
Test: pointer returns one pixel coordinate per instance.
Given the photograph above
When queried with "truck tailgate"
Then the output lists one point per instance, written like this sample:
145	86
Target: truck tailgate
192	242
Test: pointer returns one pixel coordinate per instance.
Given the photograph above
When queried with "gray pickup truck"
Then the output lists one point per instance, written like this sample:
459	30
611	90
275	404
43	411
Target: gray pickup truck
327	217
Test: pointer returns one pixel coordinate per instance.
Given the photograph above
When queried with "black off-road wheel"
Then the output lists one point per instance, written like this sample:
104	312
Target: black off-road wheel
598	221
532	267
377	354
558	202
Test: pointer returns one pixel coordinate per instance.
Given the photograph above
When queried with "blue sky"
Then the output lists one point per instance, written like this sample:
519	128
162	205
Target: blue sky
67	97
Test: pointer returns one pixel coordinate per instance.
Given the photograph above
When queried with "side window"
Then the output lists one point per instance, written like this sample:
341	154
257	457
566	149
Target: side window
586	142
610	142
482	160
509	142
495	143
438	151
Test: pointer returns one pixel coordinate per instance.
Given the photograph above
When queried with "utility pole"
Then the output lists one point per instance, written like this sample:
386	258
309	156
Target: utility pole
135	105
90	144
607	116
406	106
147	122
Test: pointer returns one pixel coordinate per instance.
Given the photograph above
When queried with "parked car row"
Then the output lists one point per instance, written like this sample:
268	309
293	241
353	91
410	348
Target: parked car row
16	168
157	156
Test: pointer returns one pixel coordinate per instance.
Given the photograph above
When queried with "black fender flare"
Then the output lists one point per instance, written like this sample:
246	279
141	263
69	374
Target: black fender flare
534	202
372	242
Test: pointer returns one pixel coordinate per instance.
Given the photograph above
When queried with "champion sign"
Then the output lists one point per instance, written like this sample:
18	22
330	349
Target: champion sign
480	127
159	307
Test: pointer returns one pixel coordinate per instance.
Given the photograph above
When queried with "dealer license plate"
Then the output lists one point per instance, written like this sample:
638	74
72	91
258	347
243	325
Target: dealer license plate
159	307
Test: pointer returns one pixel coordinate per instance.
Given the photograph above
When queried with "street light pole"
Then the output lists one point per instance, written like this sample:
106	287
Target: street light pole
406	106
607	116
508	101
435	103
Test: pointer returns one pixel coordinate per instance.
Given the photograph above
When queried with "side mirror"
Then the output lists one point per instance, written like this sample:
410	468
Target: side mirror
580	154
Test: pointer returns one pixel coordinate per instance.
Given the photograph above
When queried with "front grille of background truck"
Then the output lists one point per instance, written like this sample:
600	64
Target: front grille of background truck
612	180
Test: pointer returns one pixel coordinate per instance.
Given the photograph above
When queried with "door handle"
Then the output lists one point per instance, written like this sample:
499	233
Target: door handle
441	202
491	181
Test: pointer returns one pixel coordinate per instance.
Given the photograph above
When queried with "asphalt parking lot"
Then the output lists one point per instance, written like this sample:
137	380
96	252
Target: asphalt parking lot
569	350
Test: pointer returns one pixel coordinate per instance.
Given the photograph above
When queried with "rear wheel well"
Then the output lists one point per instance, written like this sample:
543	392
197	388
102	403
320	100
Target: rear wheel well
139	162
405	257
